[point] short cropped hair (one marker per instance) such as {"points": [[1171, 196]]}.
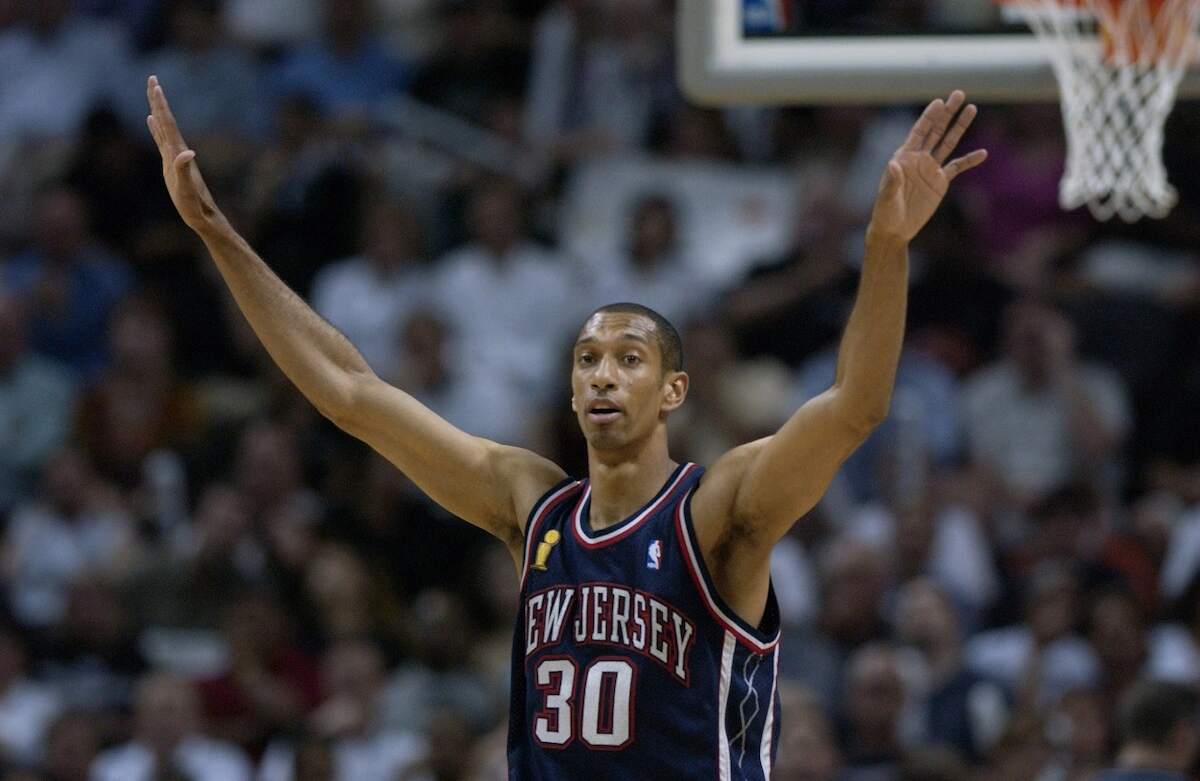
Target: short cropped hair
{"points": [[669, 343], [1151, 710]]}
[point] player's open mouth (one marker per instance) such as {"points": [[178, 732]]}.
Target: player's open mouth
{"points": [[603, 411]]}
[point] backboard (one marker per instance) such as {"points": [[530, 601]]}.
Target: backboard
{"points": [[760, 52]]}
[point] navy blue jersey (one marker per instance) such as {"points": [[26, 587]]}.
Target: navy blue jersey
{"points": [[626, 662]]}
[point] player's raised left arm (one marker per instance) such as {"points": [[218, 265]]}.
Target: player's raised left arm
{"points": [[768, 484]]}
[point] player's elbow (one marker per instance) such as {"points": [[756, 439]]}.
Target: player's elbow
{"points": [[341, 400]]}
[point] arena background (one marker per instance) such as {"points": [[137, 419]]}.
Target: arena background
{"points": [[202, 579]]}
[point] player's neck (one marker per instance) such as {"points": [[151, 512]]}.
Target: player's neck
{"points": [[621, 486]]}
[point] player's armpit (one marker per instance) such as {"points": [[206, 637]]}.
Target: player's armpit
{"points": [[490, 485], [756, 492]]}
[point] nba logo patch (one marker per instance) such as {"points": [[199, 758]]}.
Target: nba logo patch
{"points": [[654, 555]]}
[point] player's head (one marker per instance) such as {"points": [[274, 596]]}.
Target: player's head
{"points": [[626, 376]]}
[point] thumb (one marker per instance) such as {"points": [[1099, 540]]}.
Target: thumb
{"points": [[892, 178], [183, 159]]}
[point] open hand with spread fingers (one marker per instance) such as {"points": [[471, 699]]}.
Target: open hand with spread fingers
{"points": [[188, 191], [918, 176]]}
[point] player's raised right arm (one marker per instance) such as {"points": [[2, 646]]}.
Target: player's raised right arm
{"points": [[493, 486]]}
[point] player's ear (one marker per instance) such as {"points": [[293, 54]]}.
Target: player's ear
{"points": [[573, 403], [676, 390]]}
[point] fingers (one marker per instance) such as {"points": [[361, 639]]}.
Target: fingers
{"points": [[964, 163], [169, 139], [924, 126], [931, 128], [954, 135]]}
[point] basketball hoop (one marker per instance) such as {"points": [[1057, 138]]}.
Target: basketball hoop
{"points": [[1118, 64]]}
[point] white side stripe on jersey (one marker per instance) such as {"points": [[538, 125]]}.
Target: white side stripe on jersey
{"points": [[768, 728], [696, 566], [723, 772]]}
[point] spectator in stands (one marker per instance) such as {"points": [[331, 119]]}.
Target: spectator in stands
{"points": [[348, 70], [72, 743], [71, 282], [167, 739], [92, 657], [1042, 658], [431, 369], [439, 675], [217, 83], [36, 399], [600, 76], [1159, 733], [478, 67], [27, 706], [653, 270], [80, 61], [960, 708], [137, 406], [348, 599], [364, 746], [75, 528], [875, 700], [369, 296], [807, 749], [504, 294], [269, 682], [1041, 416]]}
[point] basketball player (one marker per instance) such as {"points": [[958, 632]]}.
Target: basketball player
{"points": [[647, 644]]}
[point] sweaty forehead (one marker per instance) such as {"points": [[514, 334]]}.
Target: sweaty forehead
{"points": [[613, 326]]}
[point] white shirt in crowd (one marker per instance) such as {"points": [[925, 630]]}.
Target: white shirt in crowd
{"points": [[199, 758], [368, 307], [380, 756], [26, 710], [513, 316], [1026, 435]]}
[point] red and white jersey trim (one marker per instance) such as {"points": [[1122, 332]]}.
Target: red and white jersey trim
{"points": [[696, 567], [629, 527], [539, 515]]}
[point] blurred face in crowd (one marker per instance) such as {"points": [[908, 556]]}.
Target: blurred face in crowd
{"points": [[1117, 632], [1039, 341], [653, 231], [12, 659], [47, 15], [314, 761], [255, 629], [354, 669], [222, 518], [62, 225], [346, 20], [424, 340], [71, 745], [807, 751], [620, 392], [12, 331], [166, 710], [195, 25], [449, 746], [1052, 604], [267, 467], [66, 479], [1083, 719], [926, 620], [441, 628], [855, 577], [495, 217], [875, 695], [140, 339], [389, 235]]}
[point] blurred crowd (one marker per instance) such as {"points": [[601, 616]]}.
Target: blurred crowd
{"points": [[201, 579]]}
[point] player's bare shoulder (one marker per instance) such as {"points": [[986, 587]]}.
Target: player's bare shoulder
{"points": [[715, 508], [530, 477]]}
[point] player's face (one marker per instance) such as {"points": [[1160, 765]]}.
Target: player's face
{"points": [[620, 393]]}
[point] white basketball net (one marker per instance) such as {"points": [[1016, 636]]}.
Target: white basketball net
{"points": [[1119, 64]]}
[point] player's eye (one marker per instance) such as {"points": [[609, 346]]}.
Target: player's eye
{"points": [[586, 359], [632, 360]]}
